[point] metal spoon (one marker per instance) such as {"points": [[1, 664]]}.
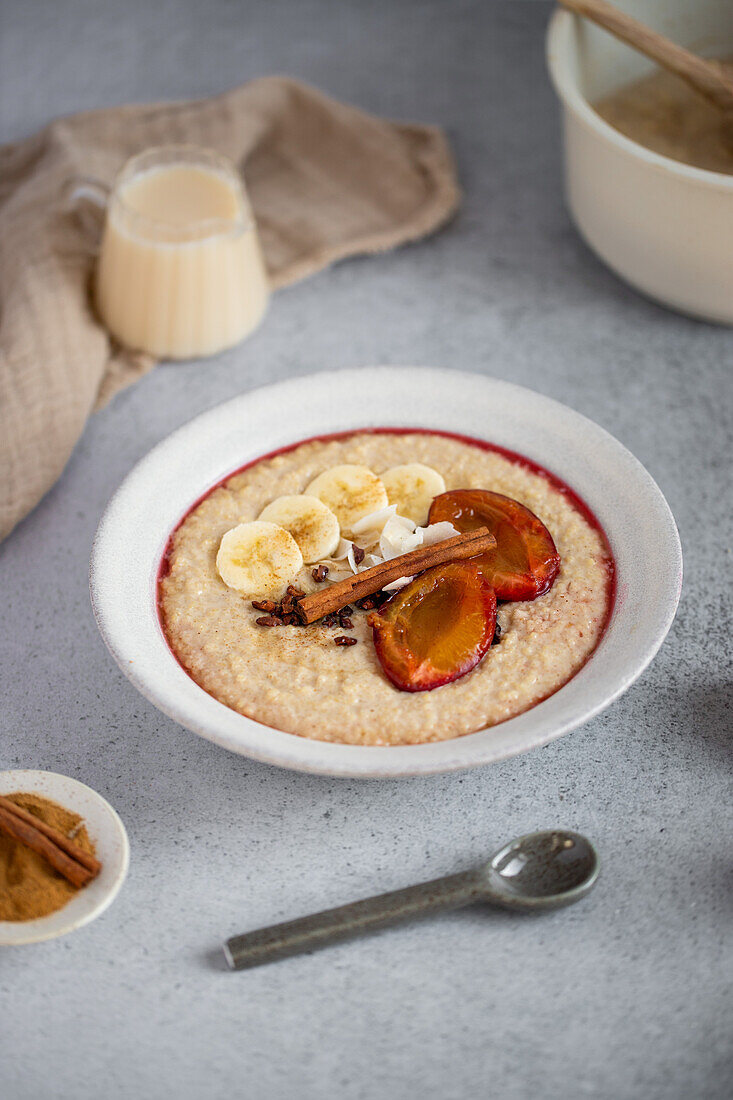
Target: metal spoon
{"points": [[531, 874]]}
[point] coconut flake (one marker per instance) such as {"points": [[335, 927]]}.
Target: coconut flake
{"points": [[375, 521], [341, 550], [394, 586], [437, 532], [398, 537]]}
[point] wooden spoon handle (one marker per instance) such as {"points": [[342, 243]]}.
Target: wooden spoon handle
{"points": [[703, 75]]}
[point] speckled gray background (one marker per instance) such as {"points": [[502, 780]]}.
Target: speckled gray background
{"points": [[625, 996]]}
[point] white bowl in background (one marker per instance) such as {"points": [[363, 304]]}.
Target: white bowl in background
{"points": [[110, 841], [663, 226], [134, 531]]}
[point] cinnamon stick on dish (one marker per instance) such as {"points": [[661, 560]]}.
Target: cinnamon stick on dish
{"points": [[69, 859], [468, 545]]}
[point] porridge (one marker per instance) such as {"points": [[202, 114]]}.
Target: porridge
{"points": [[664, 114], [339, 678]]}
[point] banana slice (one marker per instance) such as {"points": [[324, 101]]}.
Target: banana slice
{"points": [[258, 559], [412, 488], [313, 526], [350, 492]]}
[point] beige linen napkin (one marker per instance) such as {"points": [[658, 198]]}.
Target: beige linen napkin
{"points": [[325, 179]]}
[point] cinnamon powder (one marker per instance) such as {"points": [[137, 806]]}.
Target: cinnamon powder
{"points": [[29, 886]]}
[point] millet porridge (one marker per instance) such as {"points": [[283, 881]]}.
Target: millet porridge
{"points": [[295, 679]]}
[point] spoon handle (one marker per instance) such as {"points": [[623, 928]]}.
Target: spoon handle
{"points": [[703, 75], [347, 921]]}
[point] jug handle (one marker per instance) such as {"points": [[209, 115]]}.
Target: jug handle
{"points": [[88, 198]]}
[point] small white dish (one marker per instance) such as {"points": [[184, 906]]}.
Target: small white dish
{"points": [[160, 490], [112, 849], [663, 226]]}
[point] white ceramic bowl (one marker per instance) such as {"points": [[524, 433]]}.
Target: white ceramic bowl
{"points": [[110, 840], [663, 226], [135, 528]]}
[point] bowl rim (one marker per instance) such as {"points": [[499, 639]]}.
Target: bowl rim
{"points": [[557, 39], [113, 849], [171, 690]]}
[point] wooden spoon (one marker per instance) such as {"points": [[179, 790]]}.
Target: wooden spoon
{"points": [[706, 77]]}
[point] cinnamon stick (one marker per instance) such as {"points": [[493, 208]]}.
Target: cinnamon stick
{"points": [[78, 866], [468, 545], [74, 850]]}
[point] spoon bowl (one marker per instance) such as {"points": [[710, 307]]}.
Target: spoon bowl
{"points": [[541, 871]]}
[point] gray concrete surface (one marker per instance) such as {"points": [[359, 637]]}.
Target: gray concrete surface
{"points": [[624, 996]]}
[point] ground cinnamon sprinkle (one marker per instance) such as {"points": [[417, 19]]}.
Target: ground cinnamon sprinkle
{"points": [[29, 886]]}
